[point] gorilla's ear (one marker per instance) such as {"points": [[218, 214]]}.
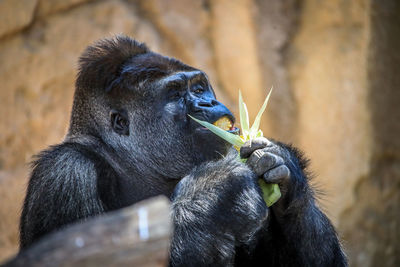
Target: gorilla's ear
{"points": [[119, 121], [100, 64]]}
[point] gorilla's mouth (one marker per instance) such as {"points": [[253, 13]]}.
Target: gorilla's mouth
{"points": [[226, 124]]}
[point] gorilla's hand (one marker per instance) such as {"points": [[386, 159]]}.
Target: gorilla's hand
{"points": [[295, 216], [276, 163], [216, 208]]}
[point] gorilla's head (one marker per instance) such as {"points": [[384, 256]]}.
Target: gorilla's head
{"points": [[137, 102]]}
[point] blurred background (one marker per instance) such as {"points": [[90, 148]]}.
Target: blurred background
{"points": [[334, 65]]}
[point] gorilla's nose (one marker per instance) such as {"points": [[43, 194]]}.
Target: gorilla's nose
{"points": [[206, 104], [210, 110]]}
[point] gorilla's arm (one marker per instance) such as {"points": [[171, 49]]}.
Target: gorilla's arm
{"points": [[304, 238], [298, 233], [217, 208]]}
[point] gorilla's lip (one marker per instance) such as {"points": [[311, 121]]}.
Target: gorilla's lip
{"points": [[235, 130]]}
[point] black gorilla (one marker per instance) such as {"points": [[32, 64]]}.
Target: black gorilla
{"points": [[130, 138]]}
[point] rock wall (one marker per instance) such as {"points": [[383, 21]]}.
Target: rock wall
{"points": [[333, 65], [372, 225]]}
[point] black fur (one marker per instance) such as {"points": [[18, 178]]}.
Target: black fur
{"points": [[225, 192], [130, 138]]}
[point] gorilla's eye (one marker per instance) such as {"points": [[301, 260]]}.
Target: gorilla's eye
{"points": [[198, 90], [120, 121]]}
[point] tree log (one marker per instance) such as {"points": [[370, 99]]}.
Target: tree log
{"points": [[138, 235]]}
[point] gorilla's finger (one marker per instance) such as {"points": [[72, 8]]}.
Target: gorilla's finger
{"points": [[261, 161], [278, 175], [274, 149], [249, 147]]}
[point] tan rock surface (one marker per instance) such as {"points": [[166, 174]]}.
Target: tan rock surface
{"points": [[46, 7], [328, 71], [15, 15], [12, 193], [276, 24], [236, 53], [372, 225]]}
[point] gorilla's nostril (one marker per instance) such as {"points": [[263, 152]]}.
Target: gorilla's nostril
{"points": [[214, 102], [205, 104]]}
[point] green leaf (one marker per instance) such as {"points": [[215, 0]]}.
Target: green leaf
{"points": [[256, 124], [271, 192], [229, 137], [244, 116]]}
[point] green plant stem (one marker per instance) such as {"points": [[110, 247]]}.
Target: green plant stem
{"points": [[271, 192]]}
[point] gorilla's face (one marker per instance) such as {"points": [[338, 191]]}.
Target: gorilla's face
{"points": [[164, 132]]}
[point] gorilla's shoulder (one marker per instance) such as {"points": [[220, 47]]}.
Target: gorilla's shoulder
{"points": [[59, 162], [55, 195]]}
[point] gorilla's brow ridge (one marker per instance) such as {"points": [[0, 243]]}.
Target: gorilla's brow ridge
{"points": [[192, 76]]}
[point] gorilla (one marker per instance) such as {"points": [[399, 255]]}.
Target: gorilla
{"points": [[130, 138]]}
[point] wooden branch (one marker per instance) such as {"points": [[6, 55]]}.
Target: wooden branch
{"points": [[135, 236]]}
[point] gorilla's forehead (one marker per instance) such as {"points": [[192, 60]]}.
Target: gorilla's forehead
{"points": [[154, 65]]}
